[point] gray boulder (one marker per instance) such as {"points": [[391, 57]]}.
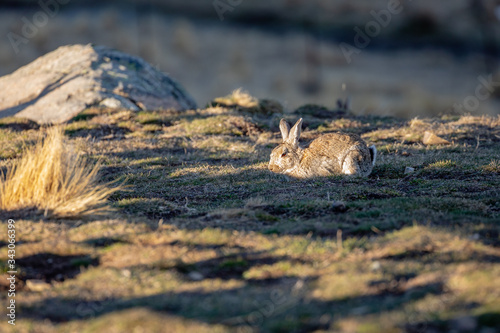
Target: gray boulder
{"points": [[56, 87]]}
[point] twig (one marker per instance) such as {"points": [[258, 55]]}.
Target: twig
{"points": [[339, 239]]}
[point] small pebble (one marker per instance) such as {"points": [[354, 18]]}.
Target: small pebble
{"points": [[298, 285], [196, 276], [409, 170], [339, 206]]}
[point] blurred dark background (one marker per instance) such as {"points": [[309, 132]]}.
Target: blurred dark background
{"points": [[411, 58]]}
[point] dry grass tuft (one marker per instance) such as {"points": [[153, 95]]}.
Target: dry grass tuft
{"points": [[443, 164], [54, 179], [493, 166], [239, 97]]}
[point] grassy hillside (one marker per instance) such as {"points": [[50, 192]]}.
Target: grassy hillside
{"points": [[206, 239]]}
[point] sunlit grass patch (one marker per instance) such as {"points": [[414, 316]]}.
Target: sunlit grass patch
{"points": [[443, 164], [152, 128], [283, 268], [13, 142], [493, 166], [88, 114], [419, 123], [476, 285], [156, 117], [54, 179], [17, 124], [241, 100], [151, 207], [223, 144], [203, 173], [143, 318], [344, 282], [345, 125], [150, 161], [396, 134], [489, 121]]}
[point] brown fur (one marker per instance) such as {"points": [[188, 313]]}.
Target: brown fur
{"points": [[335, 153]]}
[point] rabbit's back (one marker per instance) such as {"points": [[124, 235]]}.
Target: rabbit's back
{"points": [[335, 145], [337, 153]]}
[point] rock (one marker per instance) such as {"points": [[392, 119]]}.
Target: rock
{"points": [[339, 206], [37, 285], [126, 273], [56, 87], [432, 139], [409, 170]]}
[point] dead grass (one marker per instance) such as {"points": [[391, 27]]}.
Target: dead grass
{"points": [[209, 240], [238, 97], [493, 166], [54, 179]]}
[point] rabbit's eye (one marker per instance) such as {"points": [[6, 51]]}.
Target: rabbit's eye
{"points": [[284, 154]]}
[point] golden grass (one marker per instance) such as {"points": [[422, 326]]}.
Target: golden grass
{"points": [[239, 97], [54, 179]]}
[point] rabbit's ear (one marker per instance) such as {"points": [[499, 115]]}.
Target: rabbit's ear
{"points": [[295, 133], [285, 129]]}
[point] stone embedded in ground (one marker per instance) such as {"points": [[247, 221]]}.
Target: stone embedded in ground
{"points": [[58, 86], [432, 139], [409, 170], [339, 206]]}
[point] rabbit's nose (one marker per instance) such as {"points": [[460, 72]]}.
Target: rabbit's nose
{"points": [[273, 168]]}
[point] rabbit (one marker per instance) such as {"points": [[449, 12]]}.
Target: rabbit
{"points": [[330, 154]]}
